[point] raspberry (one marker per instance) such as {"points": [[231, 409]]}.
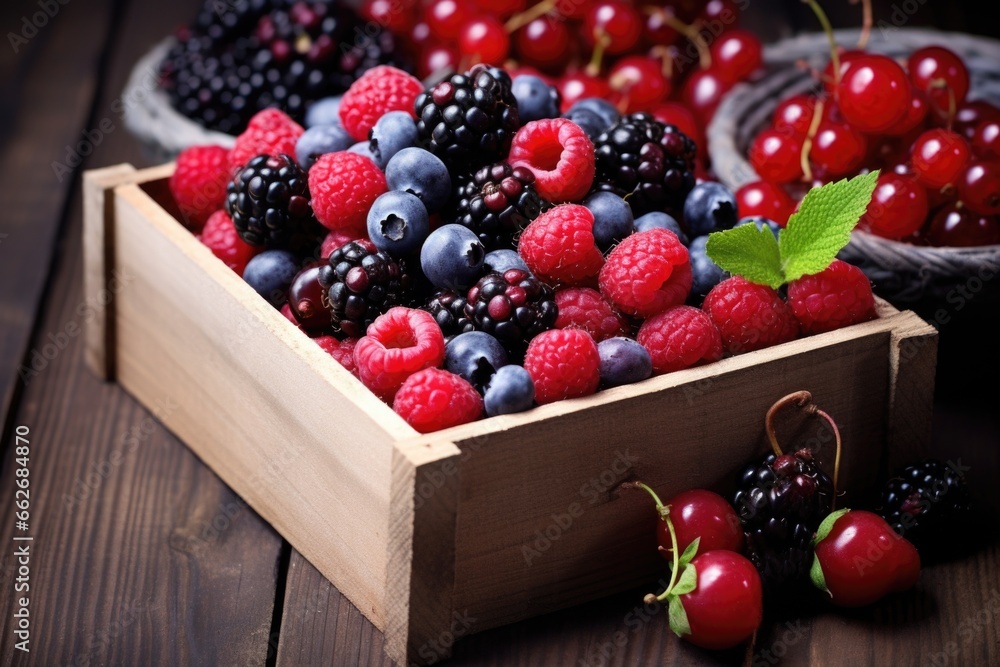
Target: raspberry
{"points": [[560, 155], [342, 351], [749, 316], [585, 308], [399, 343], [198, 184], [559, 245], [647, 273], [219, 234], [563, 363], [343, 187], [679, 338], [836, 297], [379, 90], [433, 399], [269, 132], [336, 239]]}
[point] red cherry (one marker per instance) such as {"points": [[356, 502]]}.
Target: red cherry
{"points": [[578, 85], [720, 12], [544, 43], [847, 60], [777, 156], [658, 29], [932, 65], [618, 20], [736, 55], [435, 58], [874, 94], [898, 207], [838, 149], [961, 228], [863, 559], [938, 157], [640, 82], [484, 40], [971, 114], [766, 200], [703, 91], [726, 607], [398, 17], [979, 187], [701, 514], [986, 139], [795, 114], [446, 17], [503, 9], [419, 36], [914, 117], [575, 10]]}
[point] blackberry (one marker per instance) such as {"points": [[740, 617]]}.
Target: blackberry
{"points": [[513, 306], [448, 309], [781, 500], [930, 505], [468, 120], [268, 200], [362, 283], [497, 203], [648, 163]]}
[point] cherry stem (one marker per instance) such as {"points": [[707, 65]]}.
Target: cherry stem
{"points": [[663, 54], [828, 29], [800, 398], [518, 21], [952, 106], [836, 456], [664, 513], [693, 33], [602, 42], [866, 23], [808, 143]]}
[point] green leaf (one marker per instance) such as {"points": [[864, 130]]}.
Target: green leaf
{"points": [[690, 552], [826, 525], [749, 252], [687, 582], [816, 575], [822, 225], [678, 617]]}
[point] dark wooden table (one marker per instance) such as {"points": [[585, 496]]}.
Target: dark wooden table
{"points": [[141, 555]]}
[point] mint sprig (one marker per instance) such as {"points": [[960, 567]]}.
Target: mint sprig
{"points": [[809, 242]]}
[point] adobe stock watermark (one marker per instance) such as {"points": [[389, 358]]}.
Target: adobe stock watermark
{"points": [[793, 633], [970, 627], [601, 653], [438, 648], [99, 643], [900, 13], [32, 23]]}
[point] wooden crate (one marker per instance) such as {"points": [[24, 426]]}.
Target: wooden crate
{"points": [[437, 536]]}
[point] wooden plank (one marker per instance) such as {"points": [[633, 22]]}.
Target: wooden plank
{"points": [[913, 363]]}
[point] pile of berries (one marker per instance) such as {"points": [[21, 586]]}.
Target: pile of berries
{"points": [[938, 151], [432, 241]]}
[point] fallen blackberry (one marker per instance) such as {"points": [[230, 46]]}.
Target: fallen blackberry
{"points": [[648, 163], [514, 307], [468, 120], [497, 203], [362, 284], [448, 309], [268, 200], [930, 505], [781, 500]]}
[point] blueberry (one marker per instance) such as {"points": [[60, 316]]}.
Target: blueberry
{"points": [[500, 261], [511, 390], [392, 133], [591, 124], [397, 223], [623, 361], [452, 257], [324, 112], [658, 220], [761, 222], [705, 274], [604, 110], [709, 207], [612, 218], [535, 98], [271, 273], [476, 356], [363, 148], [422, 173], [318, 140]]}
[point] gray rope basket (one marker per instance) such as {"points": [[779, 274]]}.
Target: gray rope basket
{"points": [[902, 273]]}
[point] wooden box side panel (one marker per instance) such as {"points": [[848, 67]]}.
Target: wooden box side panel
{"points": [[541, 523], [295, 434]]}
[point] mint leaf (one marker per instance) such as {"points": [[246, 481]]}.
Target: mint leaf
{"points": [[822, 225], [678, 618], [690, 552], [687, 582], [749, 252]]}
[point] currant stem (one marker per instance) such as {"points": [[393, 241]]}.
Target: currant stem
{"points": [[518, 21], [828, 29], [866, 23], [808, 143], [952, 106], [603, 41], [663, 54], [693, 33], [801, 398], [664, 512]]}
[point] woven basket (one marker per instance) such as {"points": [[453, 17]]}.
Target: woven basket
{"points": [[902, 273]]}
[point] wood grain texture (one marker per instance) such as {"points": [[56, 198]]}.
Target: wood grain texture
{"points": [[912, 363]]}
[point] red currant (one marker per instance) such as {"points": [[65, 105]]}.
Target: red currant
{"points": [[847, 60], [898, 207], [544, 43], [960, 227], [971, 114], [935, 70], [777, 156], [619, 21], [437, 58], [703, 91], [914, 117], [938, 157], [838, 149], [658, 29], [766, 200], [398, 17], [640, 82], [701, 514], [986, 139], [875, 94], [795, 114], [503, 9], [484, 40], [724, 12], [578, 85], [979, 187], [446, 17], [736, 54]]}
